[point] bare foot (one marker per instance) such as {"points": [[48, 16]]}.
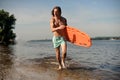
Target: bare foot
{"points": [[63, 65], [59, 68]]}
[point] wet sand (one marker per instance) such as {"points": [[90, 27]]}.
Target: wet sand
{"points": [[13, 67], [38, 69], [46, 69]]}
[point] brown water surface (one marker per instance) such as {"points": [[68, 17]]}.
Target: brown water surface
{"points": [[15, 67]]}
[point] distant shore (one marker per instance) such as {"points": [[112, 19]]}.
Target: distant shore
{"points": [[106, 38], [93, 38]]}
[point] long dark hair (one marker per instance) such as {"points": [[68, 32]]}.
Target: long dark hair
{"points": [[58, 8]]}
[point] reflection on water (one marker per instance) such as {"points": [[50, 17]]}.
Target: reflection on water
{"points": [[35, 60], [6, 61]]}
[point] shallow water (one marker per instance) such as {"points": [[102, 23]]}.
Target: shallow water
{"points": [[35, 59]]}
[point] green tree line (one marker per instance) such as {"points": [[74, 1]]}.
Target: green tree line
{"points": [[7, 24]]}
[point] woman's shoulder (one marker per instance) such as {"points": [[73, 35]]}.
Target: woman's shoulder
{"points": [[52, 19], [64, 19]]}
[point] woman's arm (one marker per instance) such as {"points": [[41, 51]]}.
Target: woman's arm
{"points": [[62, 24], [52, 25]]}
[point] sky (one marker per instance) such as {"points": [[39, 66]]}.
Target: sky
{"points": [[97, 18]]}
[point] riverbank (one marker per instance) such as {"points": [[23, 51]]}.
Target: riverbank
{"points": [[45, 69], [36, 61]]}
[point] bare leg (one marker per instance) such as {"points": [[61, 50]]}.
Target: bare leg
{"points": [[58, 57], [64, 53]]}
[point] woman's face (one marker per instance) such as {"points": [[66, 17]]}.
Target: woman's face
{"points": [[56, 12]]}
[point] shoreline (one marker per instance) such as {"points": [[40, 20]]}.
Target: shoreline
{"points": [[36, 61], [45, 69]]}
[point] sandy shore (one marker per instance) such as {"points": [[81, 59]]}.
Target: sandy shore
{"points": [[45, 69]]}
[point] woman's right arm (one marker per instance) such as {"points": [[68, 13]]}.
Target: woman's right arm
{"points": [[52, 26]]}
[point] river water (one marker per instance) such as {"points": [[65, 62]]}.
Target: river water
{"points": [[100, 62]]}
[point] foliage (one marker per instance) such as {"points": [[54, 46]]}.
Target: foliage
{"points": [[7, 23]]}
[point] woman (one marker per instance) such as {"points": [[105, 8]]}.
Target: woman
{"points": [[57, 24]]}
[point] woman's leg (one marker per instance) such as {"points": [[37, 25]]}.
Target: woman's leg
{"points": [[64, 53], [58, 57]]}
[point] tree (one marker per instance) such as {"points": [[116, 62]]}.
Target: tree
{"points": [[7, 23]]}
